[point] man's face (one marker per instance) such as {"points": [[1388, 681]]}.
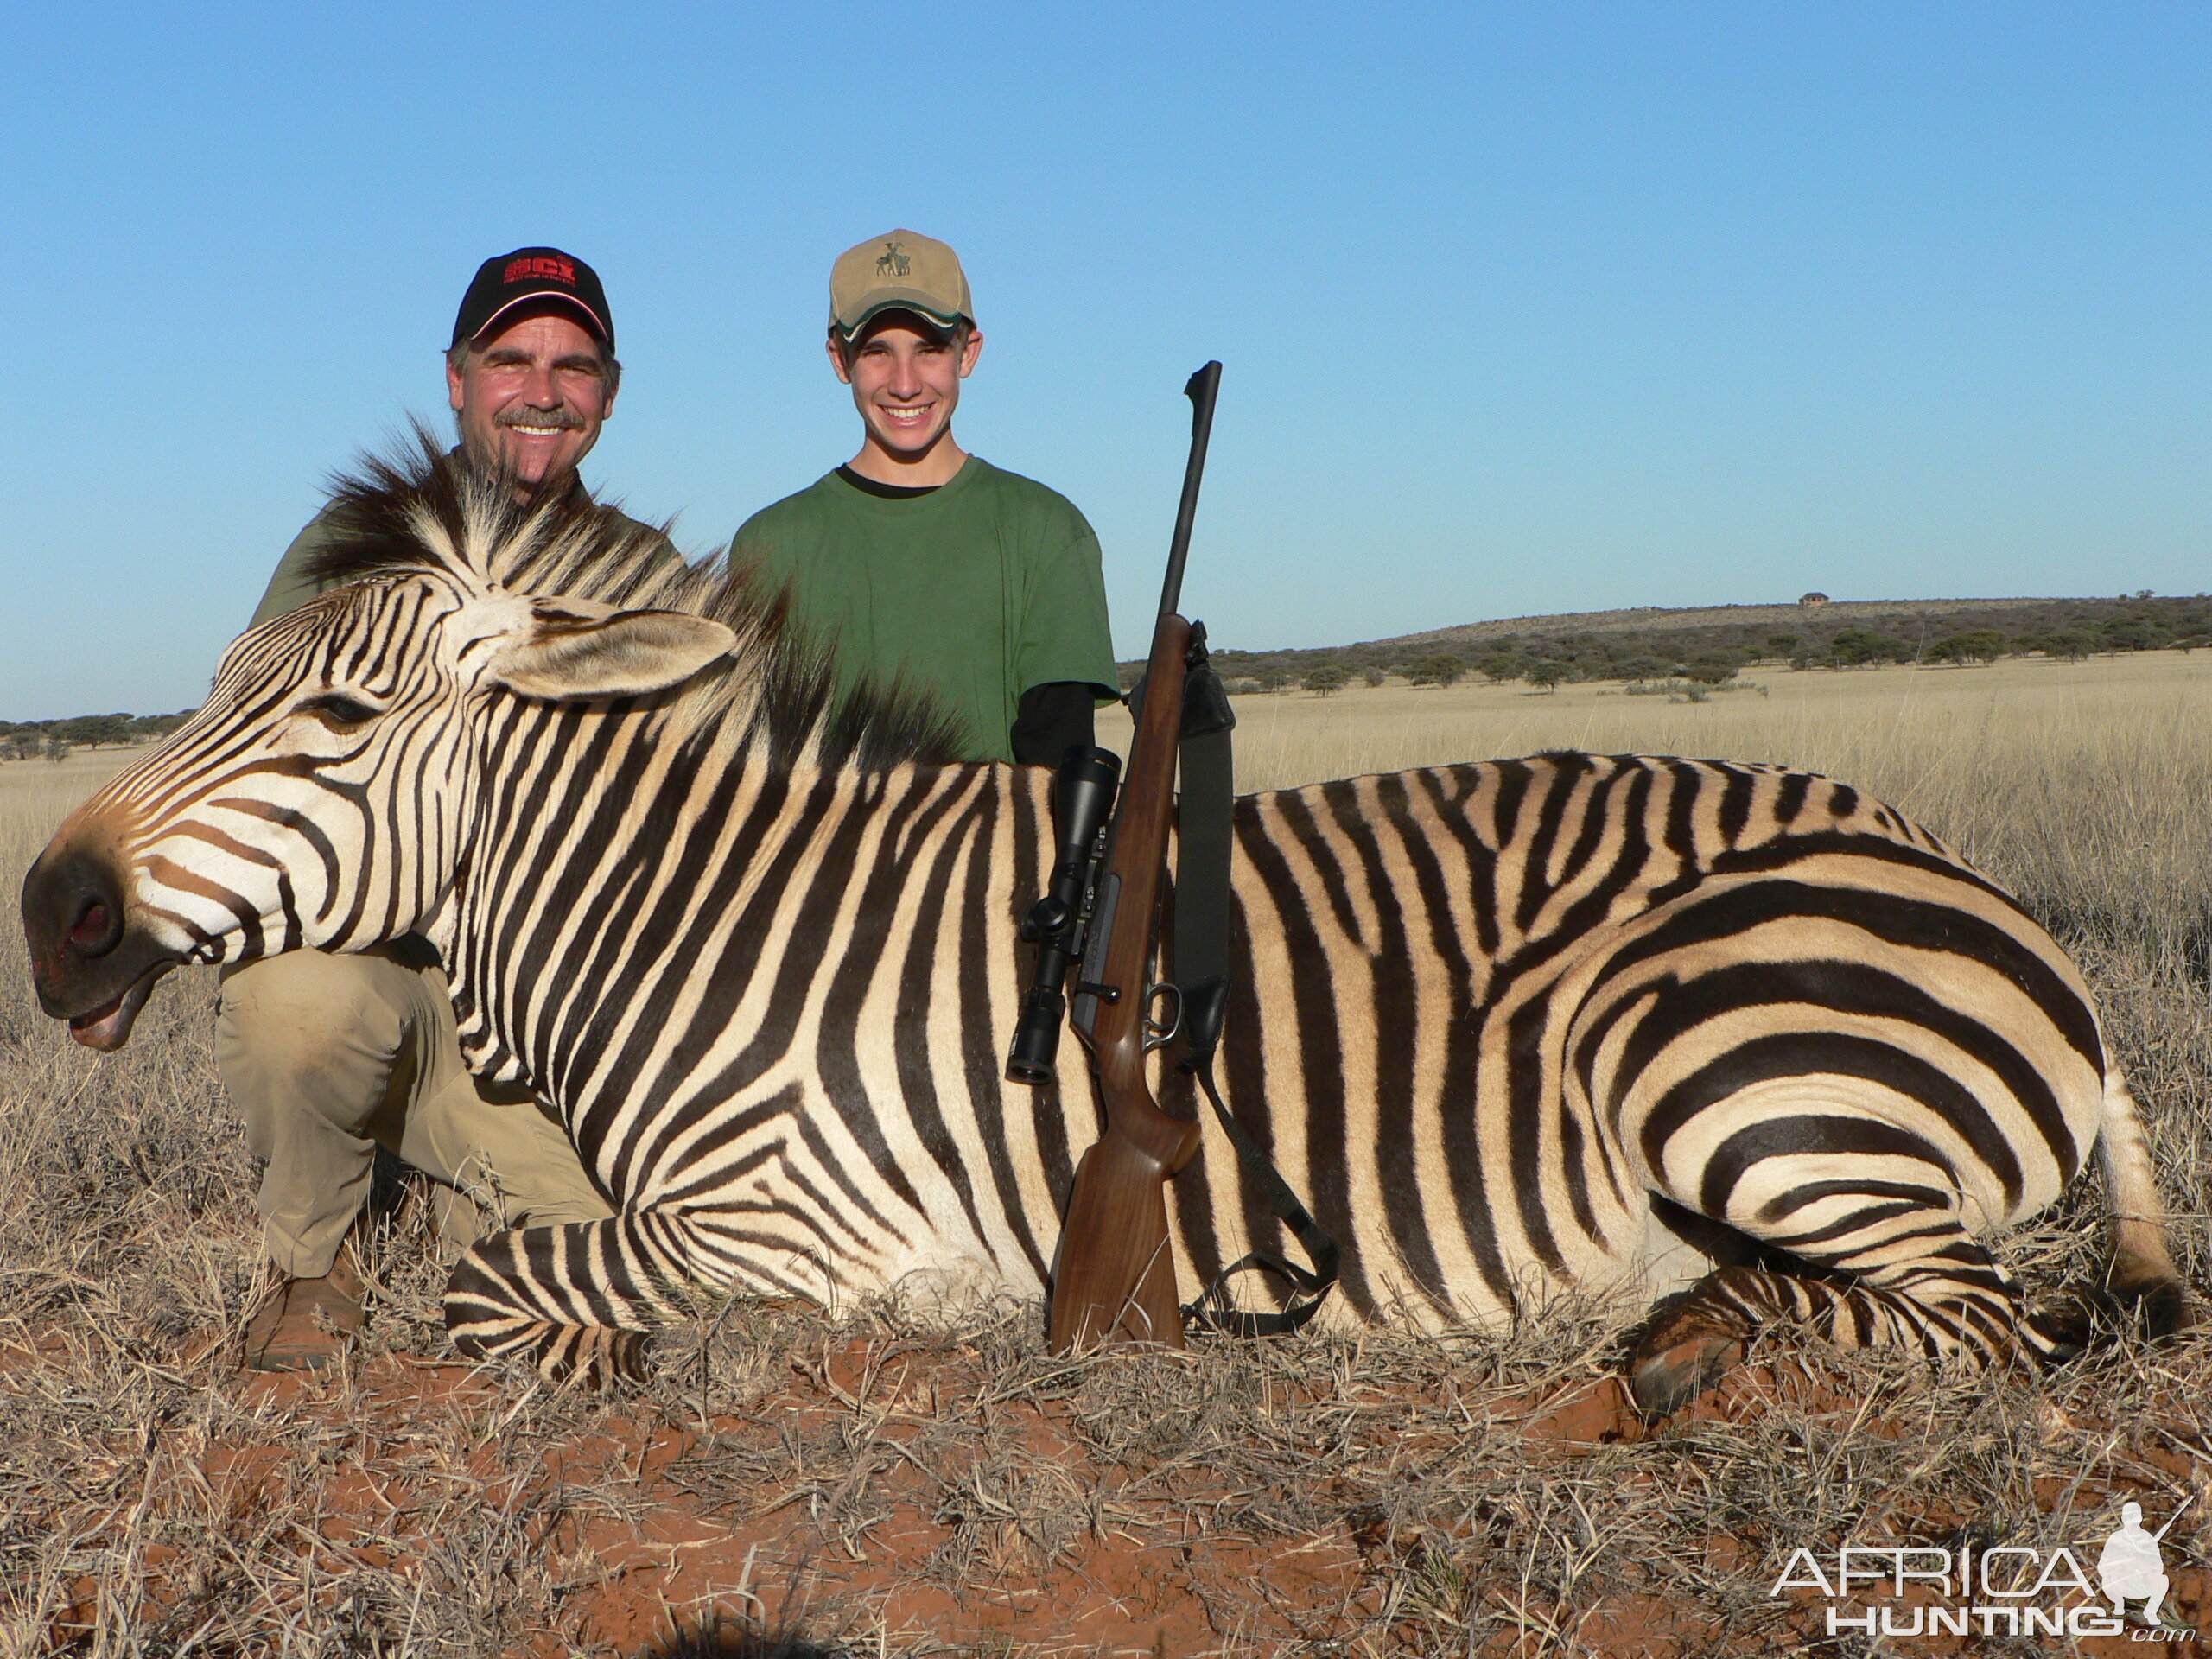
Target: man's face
{"points": [[905, 383], [531, 396]]}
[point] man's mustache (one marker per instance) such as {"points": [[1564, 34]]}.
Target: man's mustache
{"points": [[567, 419]]}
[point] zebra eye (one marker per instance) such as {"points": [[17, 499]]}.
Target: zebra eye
{"points": [[336, 709]]}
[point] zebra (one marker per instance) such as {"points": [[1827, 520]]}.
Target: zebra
{"points": [[1718, 1045]]}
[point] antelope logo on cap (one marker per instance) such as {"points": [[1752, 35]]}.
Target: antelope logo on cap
{"points": [[893, 261]]}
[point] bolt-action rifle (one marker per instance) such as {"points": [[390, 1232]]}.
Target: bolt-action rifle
{"points": [[1114, 1278]]}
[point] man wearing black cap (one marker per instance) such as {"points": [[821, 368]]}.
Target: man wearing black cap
{"points": [[531, 376], [327, 1056]]}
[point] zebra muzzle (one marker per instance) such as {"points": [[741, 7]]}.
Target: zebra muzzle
{"points": [[108, 1026], [89, 964]]}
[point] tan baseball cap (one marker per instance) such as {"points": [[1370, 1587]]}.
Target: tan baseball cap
{"points": [[899, 271]]}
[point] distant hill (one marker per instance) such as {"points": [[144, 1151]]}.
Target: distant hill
{"points": [[1830, 616], [1713, 642]]}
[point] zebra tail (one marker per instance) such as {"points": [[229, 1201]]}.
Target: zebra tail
{"points": [[2141, 1270]]}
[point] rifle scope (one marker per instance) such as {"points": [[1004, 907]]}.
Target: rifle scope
{"points": [[1083, 794]]}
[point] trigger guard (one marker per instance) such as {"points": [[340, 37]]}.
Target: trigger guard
{"points": [[1158, 1036]]}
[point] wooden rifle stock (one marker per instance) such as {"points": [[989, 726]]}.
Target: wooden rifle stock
{"points": [[1114, 1280]]}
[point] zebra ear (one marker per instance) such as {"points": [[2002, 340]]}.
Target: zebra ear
{"points": [[576, 651]]}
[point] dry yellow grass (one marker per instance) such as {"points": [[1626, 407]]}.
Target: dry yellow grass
{"points": [[1925, 740], [127, 1255], [36, 795], [2067, 781]]}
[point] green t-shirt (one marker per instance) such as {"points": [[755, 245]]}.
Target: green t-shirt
{"points": [[975, 592], [292, 587]]}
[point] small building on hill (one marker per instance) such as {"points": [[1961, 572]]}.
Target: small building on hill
{"points": [[1810, 600]]}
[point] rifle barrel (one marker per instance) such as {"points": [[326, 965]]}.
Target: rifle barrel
{"points": [[1202, 390]]}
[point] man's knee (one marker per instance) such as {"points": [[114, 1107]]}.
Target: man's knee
{"points": [[495, 1145], [331, 1034]]}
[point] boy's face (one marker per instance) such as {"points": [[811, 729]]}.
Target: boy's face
{"points": [[906, 383]]}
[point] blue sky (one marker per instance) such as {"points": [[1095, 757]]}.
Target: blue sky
{"points": [[1523, 308]]}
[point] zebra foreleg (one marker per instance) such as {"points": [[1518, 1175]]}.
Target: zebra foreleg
{"points": [[575, 1301], [1950, 1300]]}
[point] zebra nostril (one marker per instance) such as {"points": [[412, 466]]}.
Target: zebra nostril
{"points": [[94, 933]]}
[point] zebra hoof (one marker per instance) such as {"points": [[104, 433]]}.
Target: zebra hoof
{"points": [[2084, 1316], [2081, 1319], [1663, 1383], [1685, 1352], [2160, 1304]]}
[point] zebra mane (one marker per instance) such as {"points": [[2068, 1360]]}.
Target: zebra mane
{"points": [[418, 508]]}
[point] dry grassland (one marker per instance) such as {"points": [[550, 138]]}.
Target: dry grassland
{"points": [[883, 1485]]}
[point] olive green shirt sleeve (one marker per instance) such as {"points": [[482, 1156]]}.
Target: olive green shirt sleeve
{"points": [[292, 587]]}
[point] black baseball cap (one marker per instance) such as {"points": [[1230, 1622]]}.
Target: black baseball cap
{"points": [[533, 274]]}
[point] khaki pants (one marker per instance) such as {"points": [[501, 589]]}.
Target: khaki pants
{"points": [[329, 1057]]}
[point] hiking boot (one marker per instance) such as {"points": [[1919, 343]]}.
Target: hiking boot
{"points": [[304, 1325]]}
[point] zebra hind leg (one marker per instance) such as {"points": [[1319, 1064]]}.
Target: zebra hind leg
{"points": [[1950, 1298], [576, 1301], [2141, 1289], [1879, 1268]]}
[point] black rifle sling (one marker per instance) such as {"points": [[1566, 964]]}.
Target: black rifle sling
{"points": [[1205, 796], [1213, 1307], [1205, 837]]}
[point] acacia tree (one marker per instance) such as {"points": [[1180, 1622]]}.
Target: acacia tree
{"points": [[1438, 670], [1972, 646], [93, 731], [2072, 643]]}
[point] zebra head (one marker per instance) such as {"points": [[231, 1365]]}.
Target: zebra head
{"points": [[320, 796]]}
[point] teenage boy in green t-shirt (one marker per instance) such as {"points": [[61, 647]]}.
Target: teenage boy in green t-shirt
{"points": [[922, 563]]}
